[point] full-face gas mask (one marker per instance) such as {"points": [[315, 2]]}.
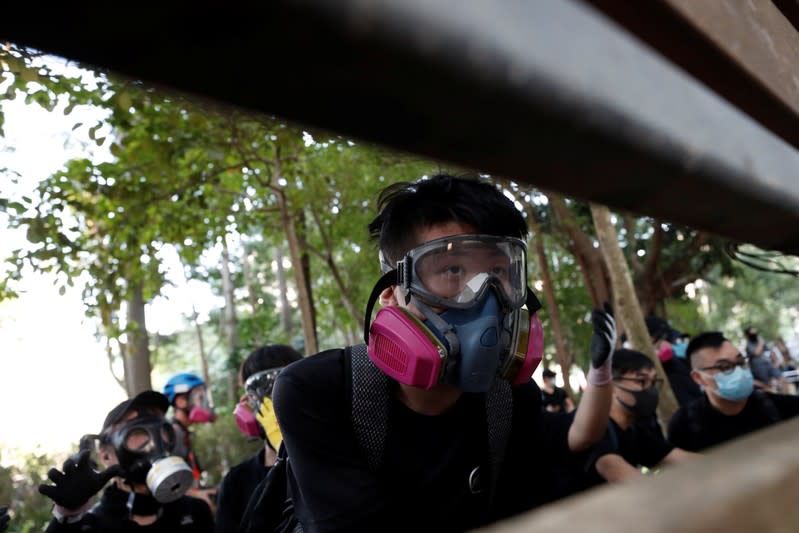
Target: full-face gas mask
{"points": [[479, 315], [200, 409], [143, 447], [259, 420]]}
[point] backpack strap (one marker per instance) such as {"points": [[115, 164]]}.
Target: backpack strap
{"points": [[371, 393], [370, 401], [499, 419]]}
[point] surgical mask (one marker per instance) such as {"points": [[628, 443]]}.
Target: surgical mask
{"points": [[680, 349], [736, 385], [143, 447], [646, 401]]}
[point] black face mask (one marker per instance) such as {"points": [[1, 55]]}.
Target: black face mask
{"points": [[646, 401]]}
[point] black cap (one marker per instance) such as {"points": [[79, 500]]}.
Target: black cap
{"points": [[659, 329], [548, 373], [146, 399]]}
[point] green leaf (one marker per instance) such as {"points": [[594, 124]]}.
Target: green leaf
{"points": [[76, 126], [62, 290]]}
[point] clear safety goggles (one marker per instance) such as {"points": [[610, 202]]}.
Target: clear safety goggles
{"points": [[455, 272], [260, 385]]}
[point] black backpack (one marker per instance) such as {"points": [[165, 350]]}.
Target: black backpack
{"points": [[271, 508]]}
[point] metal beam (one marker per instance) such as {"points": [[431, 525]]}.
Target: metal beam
{"points": [[550, 92]]}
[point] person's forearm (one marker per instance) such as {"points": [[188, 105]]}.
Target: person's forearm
{"points": [[591, 419], [614, 469]]}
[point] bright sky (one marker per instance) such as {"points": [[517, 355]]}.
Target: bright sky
{"points": [[55, 382]]}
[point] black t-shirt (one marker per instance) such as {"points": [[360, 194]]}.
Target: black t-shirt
{"points": [[699, 425], [556, 398], [184, 515], [428, 477], [235, 491], [642, 444]]}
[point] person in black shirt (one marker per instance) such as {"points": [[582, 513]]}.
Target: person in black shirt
{"points": [[255, 417], [553, 398], [136, 438], [452, 298], [635, 438], [730, 406]]}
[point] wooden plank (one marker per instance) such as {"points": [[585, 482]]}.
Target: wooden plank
{"points": [[548, 92], [748, 485], [710, 48], [756, 35]]}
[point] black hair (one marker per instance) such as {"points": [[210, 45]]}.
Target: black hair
{"points": [[626, 361], [269, 356], [706, 339], [406, 207]]}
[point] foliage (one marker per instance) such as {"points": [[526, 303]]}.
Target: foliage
{"points": [[30, 511]]}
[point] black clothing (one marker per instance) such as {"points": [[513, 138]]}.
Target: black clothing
{"points": [[700, 425], [235, 491], [556, 398], [434, 472], [186, 515], [679, 374], [642, 444]]}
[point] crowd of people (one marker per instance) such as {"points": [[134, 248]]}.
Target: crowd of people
{"points": [[434, 423]]}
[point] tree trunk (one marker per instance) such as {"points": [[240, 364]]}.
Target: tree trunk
{"points": [[626, 305], [305, 261], [588, 257], [231, 322], [230, 304], [252, 292], [306, 308], [203, 354], [137, 352], [285, 309], [561, 347]]}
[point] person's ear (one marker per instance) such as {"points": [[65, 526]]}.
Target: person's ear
{"points": [[390, 296], [698, 378], [107, 456]]}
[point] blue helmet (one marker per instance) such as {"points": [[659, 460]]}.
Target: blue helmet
{"points": [[181, 384]]}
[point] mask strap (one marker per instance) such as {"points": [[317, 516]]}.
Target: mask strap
{"points": [[445, 328], [386, 280]]}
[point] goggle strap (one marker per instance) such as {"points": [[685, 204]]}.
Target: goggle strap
{"points": [[533, 304], [386, 280]]}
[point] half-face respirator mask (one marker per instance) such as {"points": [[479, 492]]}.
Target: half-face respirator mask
{"points": [[143, 448], [479, 315], [258, 388]]}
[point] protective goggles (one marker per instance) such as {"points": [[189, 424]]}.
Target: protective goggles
{"points": [[260, 385], [454, 272]]}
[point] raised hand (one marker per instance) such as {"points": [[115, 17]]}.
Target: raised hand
{"points": [[77, 483], [603, 341]]}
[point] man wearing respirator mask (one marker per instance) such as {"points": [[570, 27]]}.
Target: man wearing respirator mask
{"points": [[191, 405], [446, 369], [136, 445], [255, 418]]}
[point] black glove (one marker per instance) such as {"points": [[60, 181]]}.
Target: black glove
{"points": [[77, 483], [4, 518], [603, 341]]}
